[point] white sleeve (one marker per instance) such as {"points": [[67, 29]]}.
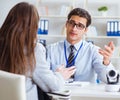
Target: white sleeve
{"points": [[46, 79]]}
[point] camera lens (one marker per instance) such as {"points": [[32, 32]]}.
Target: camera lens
{"points": [[112, 73]]}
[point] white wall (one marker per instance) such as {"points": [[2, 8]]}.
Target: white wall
{"points": [[6, 5]]}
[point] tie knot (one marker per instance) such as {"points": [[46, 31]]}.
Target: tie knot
{"points": [[72, 47]]}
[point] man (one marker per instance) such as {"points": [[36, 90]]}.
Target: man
{"points": [[87, 58]]}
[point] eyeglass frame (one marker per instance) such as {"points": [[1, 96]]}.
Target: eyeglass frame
{"points": [[73, 24]]}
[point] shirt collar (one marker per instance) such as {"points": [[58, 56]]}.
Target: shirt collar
{"points": [[77, 45]]}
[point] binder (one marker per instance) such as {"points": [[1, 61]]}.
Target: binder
{"points": [[39, 29], [43, 27], [118, 28], [113, 28], [108, 28], [46, 27]]}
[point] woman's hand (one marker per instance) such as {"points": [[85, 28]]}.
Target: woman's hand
{"points": [[66, 72]]}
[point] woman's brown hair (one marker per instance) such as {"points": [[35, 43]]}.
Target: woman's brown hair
{"points": [[17, 39]]}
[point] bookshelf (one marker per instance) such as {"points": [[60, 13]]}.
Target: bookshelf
{"points": [[57, 18], [100, 22]]}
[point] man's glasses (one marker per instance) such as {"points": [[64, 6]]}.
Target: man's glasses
{"points": [[79, 26]]}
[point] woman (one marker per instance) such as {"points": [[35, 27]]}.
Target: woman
{"points": [[20, 54]]}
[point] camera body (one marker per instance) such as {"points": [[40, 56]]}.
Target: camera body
{"points": [[112, 77], [112, 81]]}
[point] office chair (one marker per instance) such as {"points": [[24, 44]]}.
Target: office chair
{"points": [[12, 86], [60, 95], [57, 95], [42, 95]]}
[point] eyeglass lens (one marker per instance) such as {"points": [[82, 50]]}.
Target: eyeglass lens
{"points": [[79, 26]]}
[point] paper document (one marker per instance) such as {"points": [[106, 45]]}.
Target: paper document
{"points": [[77, 83]]}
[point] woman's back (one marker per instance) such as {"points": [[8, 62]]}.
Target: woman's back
{"points": [[20, 54], [17, 44]]}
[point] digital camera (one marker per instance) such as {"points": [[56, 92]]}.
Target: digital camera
{"points": [[112, 77]]}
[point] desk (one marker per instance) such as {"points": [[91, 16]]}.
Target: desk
{"points": [[92, 92]]}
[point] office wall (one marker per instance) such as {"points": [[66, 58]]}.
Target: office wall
{"points": [[6, 5]]}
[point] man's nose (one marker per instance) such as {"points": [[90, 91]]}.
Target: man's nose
{"points": [[75, 27]]}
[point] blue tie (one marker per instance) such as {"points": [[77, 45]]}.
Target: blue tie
{"points": [[71, 60]]}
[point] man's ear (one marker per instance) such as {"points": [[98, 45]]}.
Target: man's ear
{"points": [[66, 24], [86, 29]]}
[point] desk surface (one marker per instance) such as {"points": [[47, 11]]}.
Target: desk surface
{"points": [[92, 90]]}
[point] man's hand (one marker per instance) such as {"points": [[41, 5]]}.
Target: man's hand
{"points": [[107, 53], [66, 72]]}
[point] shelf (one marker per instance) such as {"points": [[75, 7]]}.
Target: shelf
{"points": [[106, 17], [51, 36], [53, 16]]}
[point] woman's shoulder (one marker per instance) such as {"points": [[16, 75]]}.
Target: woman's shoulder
{"points": [[39, 46]]}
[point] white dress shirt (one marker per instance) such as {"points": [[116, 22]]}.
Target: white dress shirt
{"points": [[88, 61]]}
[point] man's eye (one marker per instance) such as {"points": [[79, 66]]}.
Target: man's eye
{"points": [[71, 22], [80, 25]]}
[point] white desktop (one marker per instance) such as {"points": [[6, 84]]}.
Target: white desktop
{"points": [[90, 91]]}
